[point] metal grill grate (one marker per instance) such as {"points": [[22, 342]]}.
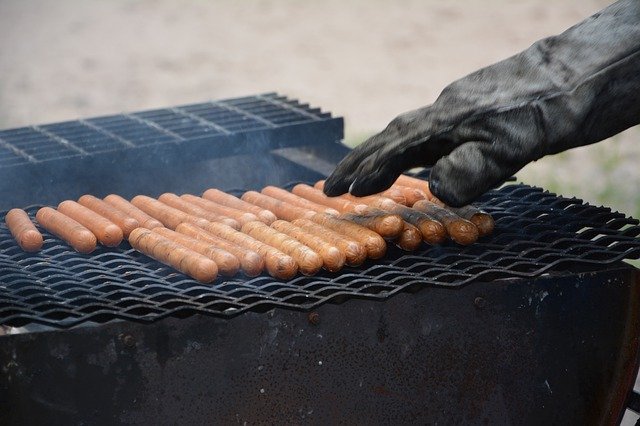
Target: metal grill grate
{"points": [[148, 151], [537, 233], [36, 144]]}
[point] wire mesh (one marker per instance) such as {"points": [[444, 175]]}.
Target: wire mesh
{"points": [[537, 233]]}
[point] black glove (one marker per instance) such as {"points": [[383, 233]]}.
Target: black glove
{"points": [[563, 92]]}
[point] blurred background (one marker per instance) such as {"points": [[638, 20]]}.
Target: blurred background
{"points": [[366, 60]]}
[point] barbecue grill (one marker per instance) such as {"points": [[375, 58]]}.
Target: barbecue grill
{"points": [[537, 323]]}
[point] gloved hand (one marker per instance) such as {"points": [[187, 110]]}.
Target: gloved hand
{"points": [[563, 92]]}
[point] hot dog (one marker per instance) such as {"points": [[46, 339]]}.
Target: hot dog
{"points": [[169, 216], [409, 239], [411, 195], [229, 200], [280, 208], [395, 194], [172, 254], [278, 264], [413, 182], [251, 263], [288, 197], [195, 210], [433, 232], [379, 221], [107, 232], [373, 243], [357, 204], [76, 235], [483, 220], [460, 230], [239, 216], [317, 196], [332, 257], [23, 230], [125, 223], [129, 209], [309, 262], [354, 251], [392, 193], [227, 263]]}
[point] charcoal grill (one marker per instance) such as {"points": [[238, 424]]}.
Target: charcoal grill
{"points": [[537, 323]]}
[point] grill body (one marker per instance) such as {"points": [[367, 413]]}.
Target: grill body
{"points": [[558, 350], [535, 324]]}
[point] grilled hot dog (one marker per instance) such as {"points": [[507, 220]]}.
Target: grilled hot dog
{"points": [[107, 232], [251, 263], [229, 200], [172, 254], [130, 210], [23, 230], [76, 235]]}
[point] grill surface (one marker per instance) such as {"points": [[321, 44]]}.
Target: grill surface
{"points": [[537, 234], [172, 149], [38, 144]]}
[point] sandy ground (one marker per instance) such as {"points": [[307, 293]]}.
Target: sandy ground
{"points": [[364, 60]]}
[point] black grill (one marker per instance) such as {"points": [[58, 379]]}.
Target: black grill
{"points": [[37, 144], [537, 233], [543, 308], [170, 149]]}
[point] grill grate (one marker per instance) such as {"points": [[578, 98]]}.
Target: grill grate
{"points": [[36, 144], [28, 145], [537, 233], [148, 151]]}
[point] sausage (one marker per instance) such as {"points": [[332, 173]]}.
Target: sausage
{"points": [[280, 208], [392, 193], [288, 197], [373, 243], [23, 230], [433, 232], [483, 220], [410, 238], [129, 209], [107, 232], [241, 217], [333, 259], [76, 235], [395, 194], [172, 254], [387, 225], [309, 262], [193, 209], [229, 200], [169, 216], [460, 230], [347, 202], [354, 251], [251, 263], [317, 196], [125, 223], [227, 263], [411, 195], [420, 185], [278, 264]]}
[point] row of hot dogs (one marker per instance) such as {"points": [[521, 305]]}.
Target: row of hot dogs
{"points": [[275, 230]]}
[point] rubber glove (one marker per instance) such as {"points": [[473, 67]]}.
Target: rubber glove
{"points": [[570, 90]]}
